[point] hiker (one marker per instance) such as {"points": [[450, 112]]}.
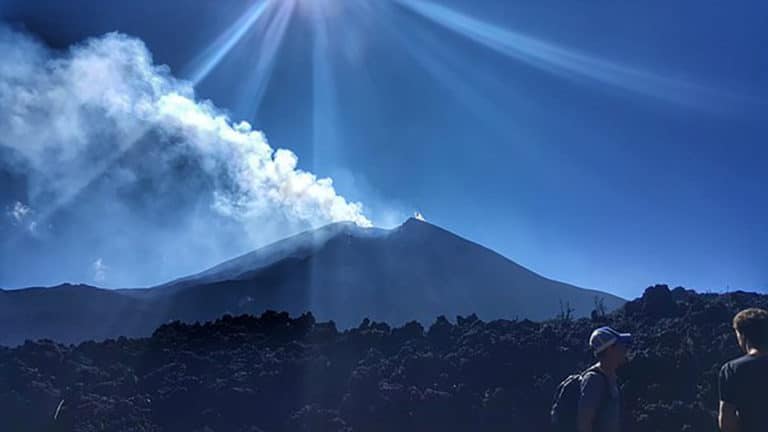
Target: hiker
{"points": [[744, 380], [590, 401]]}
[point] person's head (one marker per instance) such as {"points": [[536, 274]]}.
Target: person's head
{"points": [[610, 346], [751, 326]]}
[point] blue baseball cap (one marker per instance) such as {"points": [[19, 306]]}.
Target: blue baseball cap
{"points": [[604, 337]]}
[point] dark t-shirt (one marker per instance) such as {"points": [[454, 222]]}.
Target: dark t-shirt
{"points": [[743, 382], [606, 407]]}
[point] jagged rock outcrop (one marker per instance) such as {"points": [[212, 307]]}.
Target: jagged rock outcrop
{"points": [[277, 373]]}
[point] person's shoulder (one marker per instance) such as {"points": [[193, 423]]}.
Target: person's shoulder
{"points": [[729, 364], [736, 363], [746, 358], [592, 375]]}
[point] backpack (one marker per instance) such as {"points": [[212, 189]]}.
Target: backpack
{"points": [[565, 403]]}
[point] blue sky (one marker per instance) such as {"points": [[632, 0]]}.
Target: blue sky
{"points": [[612, 145]]}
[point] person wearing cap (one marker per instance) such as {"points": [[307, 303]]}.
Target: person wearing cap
{"points": [[599, 407], [744, 380]]}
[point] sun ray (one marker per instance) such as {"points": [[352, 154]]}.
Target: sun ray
{"points": [[437, 60], [88, 178], [324, 104], [473, 90], [560, 60], [256, 83], [211, 56]]}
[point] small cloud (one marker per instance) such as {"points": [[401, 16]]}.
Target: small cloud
{"points": [[99, 270], [19, 211], [21, 215]]}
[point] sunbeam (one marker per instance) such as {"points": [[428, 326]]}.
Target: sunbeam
{"points": [[563, 61], [324, 104], [258, 79], [448, 70], [211, 56], [87, 179], [324, 137]]}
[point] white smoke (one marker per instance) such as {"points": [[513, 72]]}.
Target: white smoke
{"points": [[70, 115], [99, 270], [119, 160]]}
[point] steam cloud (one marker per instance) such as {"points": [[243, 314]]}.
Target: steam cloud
{"points": [[117, 153]]}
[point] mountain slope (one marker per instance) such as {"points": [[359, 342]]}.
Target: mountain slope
{"points": [[297, 246], [416, 271], [340, 272], [71, 313]]}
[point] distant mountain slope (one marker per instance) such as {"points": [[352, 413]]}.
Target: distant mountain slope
{"points": [[416, 271], [71, 313], [340, 272]]}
